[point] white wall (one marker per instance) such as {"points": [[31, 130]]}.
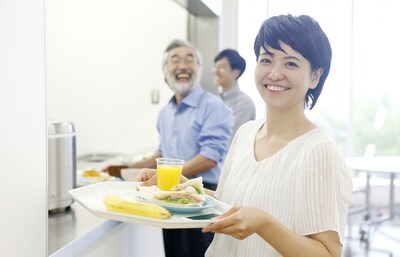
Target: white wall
{"points": [[23, 189], [103, 61]]}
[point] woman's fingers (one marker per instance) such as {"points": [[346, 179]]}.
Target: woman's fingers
{"points": [[151, 181], [221, 222], [236, 222], [218, 225], [146, 175]]}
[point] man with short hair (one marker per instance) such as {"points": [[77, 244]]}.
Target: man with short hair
{"points": [[228, 67]]}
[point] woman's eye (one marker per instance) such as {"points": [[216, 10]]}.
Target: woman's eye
{"points": [[264, 60], [291, 64]]}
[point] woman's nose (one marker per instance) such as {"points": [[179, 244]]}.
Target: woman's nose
{"points": [[275, 73]]}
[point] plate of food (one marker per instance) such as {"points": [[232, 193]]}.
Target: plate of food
{"points": [[176, 201], [90, 176], [185, 197]]}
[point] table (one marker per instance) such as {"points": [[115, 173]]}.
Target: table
{"points": [[388, 165]]}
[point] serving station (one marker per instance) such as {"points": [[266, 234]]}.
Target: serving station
{"points": [[74, 231], [77, 232]]}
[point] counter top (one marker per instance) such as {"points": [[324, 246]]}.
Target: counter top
{"points": [[79, 233], [76, 229], [74, 223]]}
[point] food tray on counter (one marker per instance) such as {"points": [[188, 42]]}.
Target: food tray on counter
{"points": [[84, 181], [91, 198]]}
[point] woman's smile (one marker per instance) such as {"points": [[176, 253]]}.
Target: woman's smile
{"points": [[275, 88]]}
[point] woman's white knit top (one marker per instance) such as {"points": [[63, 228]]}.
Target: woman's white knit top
{"points": [[306, 186]]}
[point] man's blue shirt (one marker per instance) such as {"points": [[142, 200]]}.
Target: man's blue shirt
{"points": [[200, 124]]}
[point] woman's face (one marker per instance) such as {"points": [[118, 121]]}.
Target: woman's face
{"points": [[283, 77]]}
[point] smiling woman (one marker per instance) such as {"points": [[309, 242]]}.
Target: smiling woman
{"points": [[349, 102], [284, 148], [289, 75]]}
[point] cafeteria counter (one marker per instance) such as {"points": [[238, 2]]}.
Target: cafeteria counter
{"points": [[77, 232]]}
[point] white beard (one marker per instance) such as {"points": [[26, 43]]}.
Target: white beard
{"points": [[180, 88]]}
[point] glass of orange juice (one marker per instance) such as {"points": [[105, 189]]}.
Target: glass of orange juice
{"points": [[169, 172]]}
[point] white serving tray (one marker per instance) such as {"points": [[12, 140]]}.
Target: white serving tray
{"points": [[91, 197]]}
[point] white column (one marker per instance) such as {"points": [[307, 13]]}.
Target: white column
{"points": [[229, 24], [23, 188]]}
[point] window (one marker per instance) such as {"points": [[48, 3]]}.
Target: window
{"points": [[358, 104]]}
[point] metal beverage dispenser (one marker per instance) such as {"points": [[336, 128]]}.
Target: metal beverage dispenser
{"points": [[61, 164]]}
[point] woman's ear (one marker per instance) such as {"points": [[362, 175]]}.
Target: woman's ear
{"points": [[315, 76]]}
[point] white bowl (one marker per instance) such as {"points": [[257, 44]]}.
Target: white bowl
{"points": [[129, 174]]}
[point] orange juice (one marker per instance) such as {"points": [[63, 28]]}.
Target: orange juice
{"points": [[168, 172], [168, 176]]}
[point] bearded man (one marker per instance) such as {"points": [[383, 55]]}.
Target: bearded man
{"points": [[194, 126]]}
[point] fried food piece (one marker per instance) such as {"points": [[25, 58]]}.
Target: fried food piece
{"points": [[91, 173]]}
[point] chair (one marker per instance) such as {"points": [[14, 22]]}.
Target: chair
{"points": [[359, 204]]}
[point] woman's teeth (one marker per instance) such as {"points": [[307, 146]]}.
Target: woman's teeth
{"points": [[276, 88]]}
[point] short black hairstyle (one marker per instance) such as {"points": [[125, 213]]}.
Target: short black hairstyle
{"points": [[235, 60], [304, 35]]}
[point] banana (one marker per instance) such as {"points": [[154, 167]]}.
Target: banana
{"points": [[118, 204]]}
